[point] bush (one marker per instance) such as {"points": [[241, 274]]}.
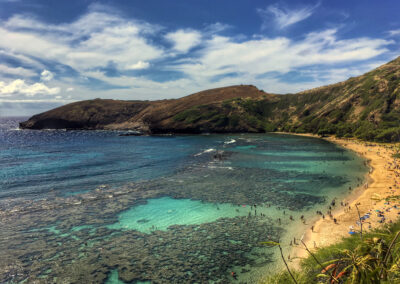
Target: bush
{"points": [[389, 135], [234, 120], [269, 127]]}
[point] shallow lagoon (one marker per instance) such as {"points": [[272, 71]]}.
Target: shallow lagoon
{"points": [[161, 213], [173, 210]]}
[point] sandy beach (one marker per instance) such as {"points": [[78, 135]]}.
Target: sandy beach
{"points": [[382, 182]]}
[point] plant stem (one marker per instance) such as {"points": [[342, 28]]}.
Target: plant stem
{"points": [[359, 217], [287, 267]]}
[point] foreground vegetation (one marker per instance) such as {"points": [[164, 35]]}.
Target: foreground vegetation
{"points": [[374, 258]]}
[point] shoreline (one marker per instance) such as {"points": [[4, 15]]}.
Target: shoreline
{"points": [[380, 182]]}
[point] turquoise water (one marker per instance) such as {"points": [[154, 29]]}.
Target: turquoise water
{"points": [[113, 278], [99, 207], [161, 213]]}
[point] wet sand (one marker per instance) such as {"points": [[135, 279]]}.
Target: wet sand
{"points": [[382, 181]]}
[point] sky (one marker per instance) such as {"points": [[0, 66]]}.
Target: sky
{"points": [[57, 52]]}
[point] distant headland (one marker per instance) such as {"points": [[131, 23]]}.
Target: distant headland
{"points": [[366, 107]]}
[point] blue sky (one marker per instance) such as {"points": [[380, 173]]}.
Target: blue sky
{"points": [[56, 52]]}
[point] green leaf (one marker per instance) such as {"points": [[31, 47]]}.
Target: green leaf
{"points": [[323, 275], [330, 262]]}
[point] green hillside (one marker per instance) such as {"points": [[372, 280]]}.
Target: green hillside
{"points": [[366, 107]]}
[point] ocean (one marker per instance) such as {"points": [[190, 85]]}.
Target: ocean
{"points": [[98, 207]]}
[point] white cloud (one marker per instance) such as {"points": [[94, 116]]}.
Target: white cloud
{"points": [[184, 40], [394, 32], [91, 41], [24, 59], [46, 75], [70, 89], [19, 71], [257, 56], [221, 56], [19, 87], [139, 65], [217, 28], [285, 17]]}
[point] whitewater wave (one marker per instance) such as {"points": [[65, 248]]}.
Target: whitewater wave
{"points": [[219, 167], [230, 141], [205, 151]]}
